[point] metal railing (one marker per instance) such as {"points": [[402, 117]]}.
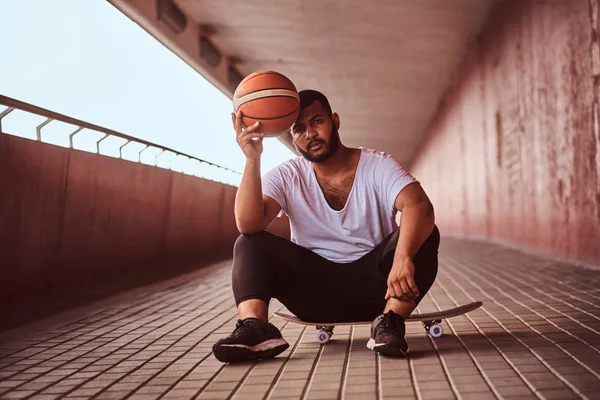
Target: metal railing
{"points": [[50, 116]]}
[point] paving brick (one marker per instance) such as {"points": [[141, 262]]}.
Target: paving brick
{"points": [[58, 389], [297, 374], [334, 385], [548, 384], [326, 378], [141, 397], [401, 382], [322, 394], [431, 377], [10, 383], [435, 385], [361, 379], [472, 387], [228, 385], [482, 395], [112, 395], [46, 396], [254, 389], [467, 378], [436, 394], [398, 392], [535, 367], [514, 390], [85, 392], [503, 381], [152, 389], [360, 396], [559, 394], [359, 388], [180, 394], [460, 371], [295, 383], [501, 373], [17, 394]]}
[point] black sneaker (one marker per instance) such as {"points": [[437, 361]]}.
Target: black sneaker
{"points": [[251, 339], [387, 335]]}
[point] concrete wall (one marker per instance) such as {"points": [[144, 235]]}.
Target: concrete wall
{"points": [[514, 153], [75, 226]]}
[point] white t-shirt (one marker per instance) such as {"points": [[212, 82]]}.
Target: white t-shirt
{"points": [[366, 219]]}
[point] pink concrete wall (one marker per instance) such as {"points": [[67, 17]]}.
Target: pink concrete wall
{"points": [[514, 153], [75, 225]]}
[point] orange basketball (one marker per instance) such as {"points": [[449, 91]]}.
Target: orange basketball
{"points": [[268, 97]]}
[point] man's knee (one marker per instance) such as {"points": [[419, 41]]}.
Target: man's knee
{"points": [[251, 242]]}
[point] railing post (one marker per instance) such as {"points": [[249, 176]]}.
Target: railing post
{"points": [[156, 158], [38, 129], [72, 135], [121, 149], [98, 143], [4, 114], [140, 153]]}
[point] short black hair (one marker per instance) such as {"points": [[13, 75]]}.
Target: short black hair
{"points": [[307, 97]]}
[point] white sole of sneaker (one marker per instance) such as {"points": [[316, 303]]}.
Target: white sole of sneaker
{"points": [[372, 345], [266, 345]]}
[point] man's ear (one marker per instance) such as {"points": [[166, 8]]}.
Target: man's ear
{"points": [[336, 120]]}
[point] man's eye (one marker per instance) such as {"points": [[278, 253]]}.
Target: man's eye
{"points": [[318, 120], [298, 129]]}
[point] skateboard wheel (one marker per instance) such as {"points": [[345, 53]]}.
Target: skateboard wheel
{"points": [[323, 337], [436, 330]]}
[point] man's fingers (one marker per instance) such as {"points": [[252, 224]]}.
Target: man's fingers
{"points": [[397, 289], [254, 127], [237, 123], [391, 291], [249, 134], [404, 289], [407, 286], [251, 130], [251, 137], [413, 286], [406, 292]]}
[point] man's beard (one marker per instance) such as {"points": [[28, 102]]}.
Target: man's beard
{"points": [[330, 150]]}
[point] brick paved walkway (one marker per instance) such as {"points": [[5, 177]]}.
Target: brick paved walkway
{"points": [[537, 336]]}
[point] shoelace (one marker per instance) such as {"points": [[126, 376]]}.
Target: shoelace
{"points": [[388, 320], [240, 327]]}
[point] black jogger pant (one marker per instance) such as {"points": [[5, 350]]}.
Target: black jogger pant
{"points": [[267, 266]]}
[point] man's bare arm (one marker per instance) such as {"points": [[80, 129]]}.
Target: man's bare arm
{"points": [[254, 212], [417, 220], [416, 224]]}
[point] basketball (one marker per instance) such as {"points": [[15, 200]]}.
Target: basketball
{"points": [[268, 97]]}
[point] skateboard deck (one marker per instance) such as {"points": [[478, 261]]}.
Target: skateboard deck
{"points": [[431, 321]]}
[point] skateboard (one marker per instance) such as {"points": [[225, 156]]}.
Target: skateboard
{"points": [[431, 321]]}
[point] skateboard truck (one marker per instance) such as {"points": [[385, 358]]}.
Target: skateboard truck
{"points": [[434, 328], [324, 334]]}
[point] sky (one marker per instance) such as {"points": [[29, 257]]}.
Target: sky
{"points": [[87, 60]]}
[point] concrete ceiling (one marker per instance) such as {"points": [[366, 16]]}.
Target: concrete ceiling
{"points": [[384, 65]]}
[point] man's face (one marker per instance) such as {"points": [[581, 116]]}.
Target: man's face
{"points": [[315, 133]]}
